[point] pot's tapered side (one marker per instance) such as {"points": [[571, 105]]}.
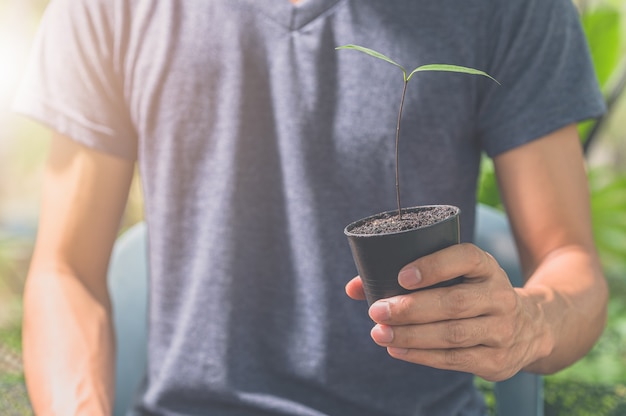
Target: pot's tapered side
{"points": [[380, 257]]}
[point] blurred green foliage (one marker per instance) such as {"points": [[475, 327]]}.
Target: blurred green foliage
{"points": [[608, 205], [566, 397], [12, 337], [572, 398], [602, 27]]}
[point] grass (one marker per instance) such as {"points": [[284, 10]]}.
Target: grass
{"points": [[13, 399], [13, 395]]}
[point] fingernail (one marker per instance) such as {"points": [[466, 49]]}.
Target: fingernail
{"points": [[382, 334], [397, 351], [409, 277], [380, 312]]}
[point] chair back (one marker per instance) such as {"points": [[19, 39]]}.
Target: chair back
{"points": [[128, 287], [521, 395]]}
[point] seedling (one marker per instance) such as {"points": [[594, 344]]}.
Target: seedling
{"points": [[407, 78]]}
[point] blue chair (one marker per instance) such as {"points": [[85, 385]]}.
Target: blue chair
{"points": [[521, 395], [128, 286]]}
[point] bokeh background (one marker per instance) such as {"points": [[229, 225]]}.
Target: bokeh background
{"points": [[594, 386]]}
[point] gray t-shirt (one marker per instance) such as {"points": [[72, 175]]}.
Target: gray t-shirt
{"points": [[258, 142]]}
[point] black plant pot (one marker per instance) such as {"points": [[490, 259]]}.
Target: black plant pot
{"points": [[380, 257]]}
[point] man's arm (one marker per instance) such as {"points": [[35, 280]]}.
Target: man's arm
{"points": [[544, 187], [484, 325], [68, 336]]}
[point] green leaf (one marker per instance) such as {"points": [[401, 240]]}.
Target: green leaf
{"points": [[451, 68], [602, 28], [373, 53], [608, 203], [487, 192]]}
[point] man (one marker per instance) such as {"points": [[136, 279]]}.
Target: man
{"points": [[257, 143]]}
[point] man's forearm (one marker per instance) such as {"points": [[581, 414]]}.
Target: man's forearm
{"points": [[68, 346], [571, 292], [68, 336]]}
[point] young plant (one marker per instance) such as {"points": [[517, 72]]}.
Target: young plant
{"points": [[407, 78]]}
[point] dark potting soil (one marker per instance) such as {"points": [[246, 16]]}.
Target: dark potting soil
{"points": [[389, 223]]}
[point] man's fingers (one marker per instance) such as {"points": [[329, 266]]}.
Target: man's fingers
{"points": [[489, 363], [354, 289], [452, 334], [465, 300], [459, 260]]}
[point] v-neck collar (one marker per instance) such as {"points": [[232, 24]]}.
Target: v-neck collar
{"points": [[293, 16]]}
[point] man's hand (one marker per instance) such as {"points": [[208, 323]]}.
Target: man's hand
{"points": [[485, 326], [482, 326]]}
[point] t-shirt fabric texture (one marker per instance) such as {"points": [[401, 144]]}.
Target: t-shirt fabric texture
{"points": [[258, 142]]}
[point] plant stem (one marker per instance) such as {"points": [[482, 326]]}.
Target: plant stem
{"points": [[406, 81]]}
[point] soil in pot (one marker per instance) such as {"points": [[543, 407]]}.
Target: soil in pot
{"points": [[389, 222]]}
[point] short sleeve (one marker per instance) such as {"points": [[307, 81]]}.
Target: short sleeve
{"points": [[73, 83], [540, 56]]}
